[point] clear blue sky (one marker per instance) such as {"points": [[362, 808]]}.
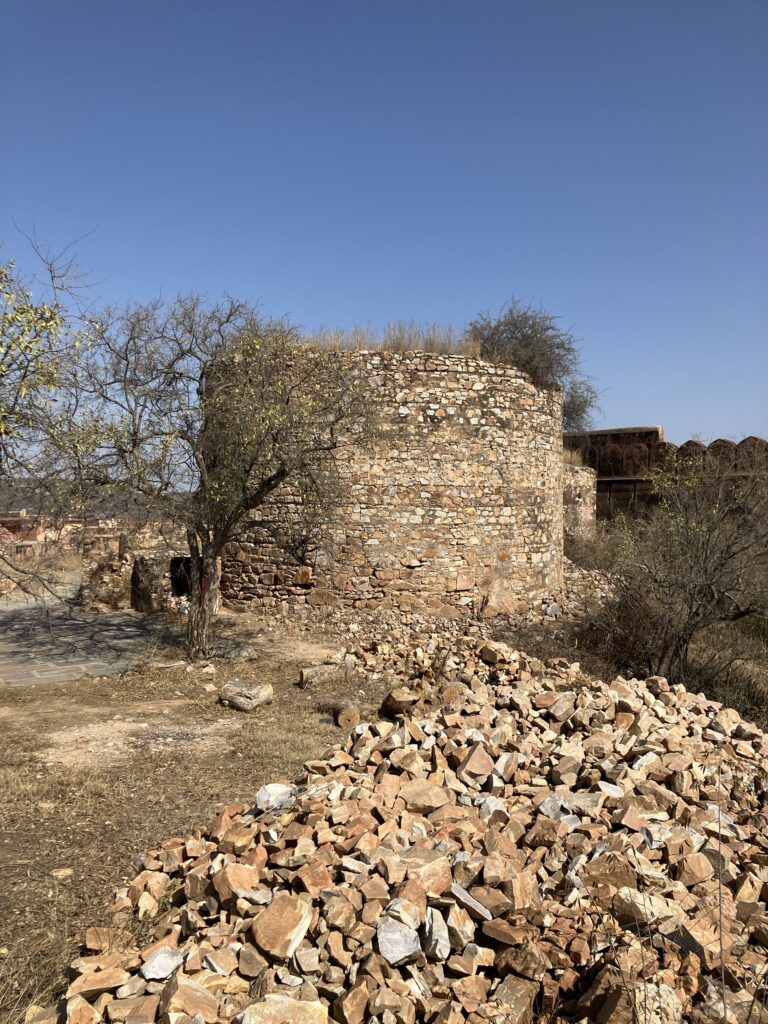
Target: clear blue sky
{"points": [[355, 161]]}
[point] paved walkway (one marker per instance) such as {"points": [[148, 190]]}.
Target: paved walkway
{"points": [[55, 643]]}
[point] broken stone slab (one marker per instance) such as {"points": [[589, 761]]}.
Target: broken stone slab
{"points": [[656, 1003], [242, 697], [632, 907], [189, 997], [437, 944], [161, 964], [279, 1009], [280, 927], [516, 997], [95, 982], [397, 943], [423, 797]]}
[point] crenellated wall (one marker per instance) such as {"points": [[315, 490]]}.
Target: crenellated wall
{"points": [[458, 504], [625, 459]]}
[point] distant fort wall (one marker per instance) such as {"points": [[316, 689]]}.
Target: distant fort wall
{"points": [[625, 459]]}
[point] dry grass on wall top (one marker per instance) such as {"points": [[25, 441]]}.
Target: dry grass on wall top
{"points": [[399, 336]]}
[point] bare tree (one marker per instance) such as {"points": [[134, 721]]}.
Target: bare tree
{"points": [[699, 558], [200, 411], [532, 340]]}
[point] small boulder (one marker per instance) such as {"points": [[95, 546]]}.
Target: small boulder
{"points": [[235, 694], [275, 796]]}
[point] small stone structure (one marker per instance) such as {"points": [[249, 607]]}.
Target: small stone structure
{"points": [[458, 504]]}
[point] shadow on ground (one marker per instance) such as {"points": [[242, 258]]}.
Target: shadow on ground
{"points": [[57, 642]]}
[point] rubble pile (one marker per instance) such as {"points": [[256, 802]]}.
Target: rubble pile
{"points": [[541, 847]]}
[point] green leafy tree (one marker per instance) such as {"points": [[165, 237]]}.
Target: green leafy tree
{"points": [[30, 341], [37, 335], [532, 340]]}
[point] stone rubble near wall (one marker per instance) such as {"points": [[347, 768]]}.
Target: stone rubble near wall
{"points": [[458, 504], [542, 846]]}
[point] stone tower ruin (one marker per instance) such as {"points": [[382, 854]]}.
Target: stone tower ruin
{"points": [[458, 505]]}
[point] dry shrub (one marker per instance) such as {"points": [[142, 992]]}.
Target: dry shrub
{"points": [[730, 663], [599, 550], [689, 584]]}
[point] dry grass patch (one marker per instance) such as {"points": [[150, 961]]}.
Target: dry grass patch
{"points": [[87, 818], [397, 336]]}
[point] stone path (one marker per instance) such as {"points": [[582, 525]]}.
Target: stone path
{"points": [[55, 643]]}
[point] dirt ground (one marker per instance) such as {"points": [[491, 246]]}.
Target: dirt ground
{"points": [[94, 772]]}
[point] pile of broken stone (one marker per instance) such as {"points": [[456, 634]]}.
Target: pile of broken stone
{"points": [[544, 846]]}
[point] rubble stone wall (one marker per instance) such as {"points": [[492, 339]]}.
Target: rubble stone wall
{"points": [[457, 504], [579, 500]]}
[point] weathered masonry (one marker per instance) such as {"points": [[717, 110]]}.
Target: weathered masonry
{"points": [[579, 500], [458, 504]]}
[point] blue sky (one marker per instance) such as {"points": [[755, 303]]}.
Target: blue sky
{"points": [[348, 161]]}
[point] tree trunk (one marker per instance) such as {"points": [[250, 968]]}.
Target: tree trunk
{"points": [[203, 599], [673, 660]]}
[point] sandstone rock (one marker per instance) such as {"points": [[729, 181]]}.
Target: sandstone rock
{"points": [[351, 1006], [321, 597], [423, 797], [657, 1003], [642, 908], [95, 982], [279, 929], [136, 1010], [275, 1009], [183, 995], [79, 1011], [695, 868], [41, 1014], [235, 880], [430, 867], [516, 997], [527, 960], [399, 700]]}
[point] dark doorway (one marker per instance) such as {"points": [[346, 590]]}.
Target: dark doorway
{"points": [[181, 576], [141, 586]]}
